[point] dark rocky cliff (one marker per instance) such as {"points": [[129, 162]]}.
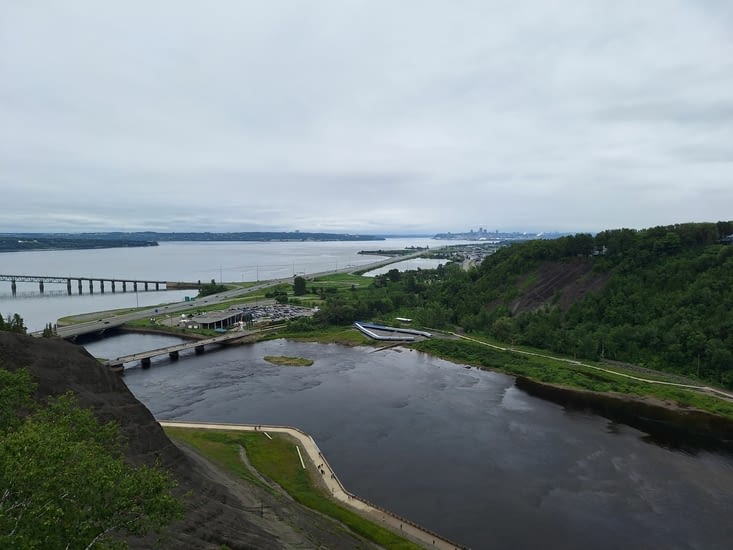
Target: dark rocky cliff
{"points": [[221, 510]]}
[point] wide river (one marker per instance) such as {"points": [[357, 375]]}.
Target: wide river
{"points": [[458, 450], [173, 261]]}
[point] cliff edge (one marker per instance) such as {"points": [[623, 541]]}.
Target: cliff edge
{"points": [[221, 510]]}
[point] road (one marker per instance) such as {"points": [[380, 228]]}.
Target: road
{"points": [[111, 321], [104, 323]]}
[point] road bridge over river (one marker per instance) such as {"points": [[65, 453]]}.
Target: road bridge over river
{"points": [[173, 352]]}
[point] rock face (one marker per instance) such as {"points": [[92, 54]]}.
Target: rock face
{"points": [[221, 510]]}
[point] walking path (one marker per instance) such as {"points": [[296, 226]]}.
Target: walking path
{"points": [[379, 515], [704, 389]]}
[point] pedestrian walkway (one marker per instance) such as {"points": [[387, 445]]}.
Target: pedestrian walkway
{"points": [[381, 516]]}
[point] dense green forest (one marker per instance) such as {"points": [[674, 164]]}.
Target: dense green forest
{"points": [[660, 298]]}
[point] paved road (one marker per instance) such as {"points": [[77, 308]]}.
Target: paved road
{"points": [[378, 515]]}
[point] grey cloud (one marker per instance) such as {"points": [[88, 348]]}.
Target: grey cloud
{"points": [[353, 116]]}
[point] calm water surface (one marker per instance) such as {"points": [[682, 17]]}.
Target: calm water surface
{"points": [[458, 450], [171, 261]]}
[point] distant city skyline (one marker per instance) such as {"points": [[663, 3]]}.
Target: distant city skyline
{"points": [[365, 117]]}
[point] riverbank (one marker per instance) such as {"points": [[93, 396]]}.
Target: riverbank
{"points": [[670, 412], [307, 449], [667, 422], [676, 414]]}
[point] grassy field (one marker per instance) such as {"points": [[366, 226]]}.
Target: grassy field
{"points": [[347, 336], [277, 460]]}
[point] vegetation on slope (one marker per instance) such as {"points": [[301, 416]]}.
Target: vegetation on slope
{"points": [[660, 298], [277, 459], [65, 483]]}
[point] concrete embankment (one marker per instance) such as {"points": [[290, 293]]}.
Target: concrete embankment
{"points": [[376, 513]]}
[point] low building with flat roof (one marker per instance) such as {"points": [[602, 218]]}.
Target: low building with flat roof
{"points": [[218, 319]]}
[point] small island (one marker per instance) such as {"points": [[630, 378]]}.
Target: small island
{"points": [[286, 361]]}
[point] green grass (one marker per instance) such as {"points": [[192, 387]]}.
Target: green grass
{"points": [[557, 372], [340, 279], [347, 336], [277, 459], [221, 448]]}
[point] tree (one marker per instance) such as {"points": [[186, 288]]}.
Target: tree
{"points": [[299, 286], [209, 289], [13, 323], [65, 483]]}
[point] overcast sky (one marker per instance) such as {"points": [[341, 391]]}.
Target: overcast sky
{"points": [[394, 116]]}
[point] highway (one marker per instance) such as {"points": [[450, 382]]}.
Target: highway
{"points": [[111, 321], [104, 323]]}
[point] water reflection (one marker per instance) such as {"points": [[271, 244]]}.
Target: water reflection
{"points": [[461, 451]]}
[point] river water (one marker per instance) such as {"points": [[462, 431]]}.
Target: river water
{"points": [[458, 450], [173, 261]]}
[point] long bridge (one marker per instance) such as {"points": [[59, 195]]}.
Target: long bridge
{"points": [[134, 284]]}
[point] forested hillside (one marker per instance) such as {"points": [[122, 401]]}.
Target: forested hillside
{"points": [[660, 297]]}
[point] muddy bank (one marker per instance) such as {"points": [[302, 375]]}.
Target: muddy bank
{"points": [[666, 423]]}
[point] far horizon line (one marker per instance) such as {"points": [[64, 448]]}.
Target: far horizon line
{"points": [[392, 234]]}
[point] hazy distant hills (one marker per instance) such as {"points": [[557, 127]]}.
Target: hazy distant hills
{"points": [[13, 242]]}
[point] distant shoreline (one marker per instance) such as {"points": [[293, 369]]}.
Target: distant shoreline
{"points": [[15, 242]]}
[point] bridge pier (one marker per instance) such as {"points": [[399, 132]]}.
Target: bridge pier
{"points": [[81, 283], [173, 355], [199, 350], [145, 362], [116, 367]]}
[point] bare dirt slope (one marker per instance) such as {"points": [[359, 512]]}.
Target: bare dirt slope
{"points": [[557, 284], [221, 510]]}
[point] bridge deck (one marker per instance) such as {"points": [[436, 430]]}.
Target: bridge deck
{"points": [[66, 278], [178, 347]]}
